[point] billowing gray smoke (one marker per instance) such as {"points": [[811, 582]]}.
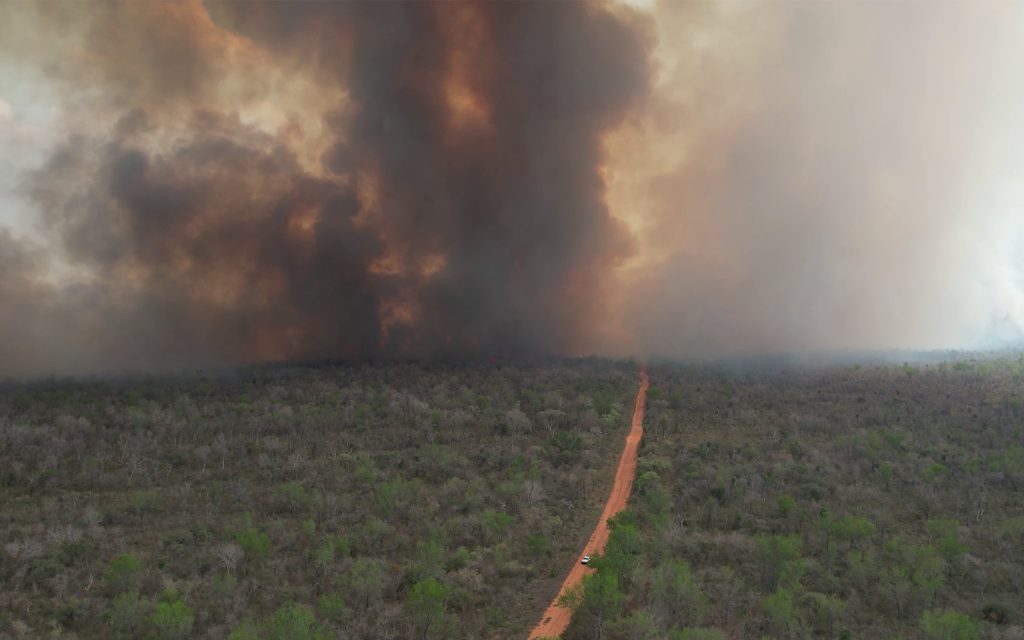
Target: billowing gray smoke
{"points": [[453, 203], [247, 181]]}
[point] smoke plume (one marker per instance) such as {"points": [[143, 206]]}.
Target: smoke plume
{"points": [[236, 182], [811, 176], [437, 191]]}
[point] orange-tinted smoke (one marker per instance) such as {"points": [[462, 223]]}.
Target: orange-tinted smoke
{"points": [[309, 180]]}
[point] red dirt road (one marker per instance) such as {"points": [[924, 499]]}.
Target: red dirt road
{"points": [[556, 619]]}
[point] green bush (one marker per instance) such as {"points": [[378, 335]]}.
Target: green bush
{"points": [[342, 546], [786, 505], [223, 585], [292, 497], [173, 620], [825, 610], [127, 615], [460, 558], [426, 604], [256, 544], [294, 622], [496, 522], [948, 625], [322, 557], [677, 595], [780, 610], [246, 631], [780, 558], [332, 607], [538, 545], [43, 568], [123, 573], [143, 503], [367, 578], [72, 553]]}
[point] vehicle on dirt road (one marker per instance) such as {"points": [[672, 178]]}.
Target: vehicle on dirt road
{"points": [[585, 560]]}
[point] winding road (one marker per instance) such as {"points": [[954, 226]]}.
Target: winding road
{"points": [[556, 618]]}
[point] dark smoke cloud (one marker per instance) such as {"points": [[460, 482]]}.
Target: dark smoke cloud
{"points": [[455, 203], [247, 181], [197, 249]]}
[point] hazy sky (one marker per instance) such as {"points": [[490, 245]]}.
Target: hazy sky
{"points": [[184, 183], [810, 175]]}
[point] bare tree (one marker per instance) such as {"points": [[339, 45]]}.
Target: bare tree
{"points": [[230, 555], [534, 491], [220, 446]]}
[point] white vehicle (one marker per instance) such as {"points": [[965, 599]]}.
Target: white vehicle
{"points": [[585, 560]]}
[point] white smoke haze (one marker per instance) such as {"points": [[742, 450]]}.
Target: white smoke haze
{"points": [[826, 176]]}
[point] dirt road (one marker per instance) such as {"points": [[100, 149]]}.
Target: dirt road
{"points": [[556, 618]]}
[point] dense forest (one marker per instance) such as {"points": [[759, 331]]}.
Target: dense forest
{"points": [[295, 502], [843, 502]]}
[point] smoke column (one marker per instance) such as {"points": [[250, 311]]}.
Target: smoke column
{"points": [[190, 183], [437, 191]]}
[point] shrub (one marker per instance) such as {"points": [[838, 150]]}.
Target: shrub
{"points": [[43, 568], [292, 497], [332, 607], [496, 522], [143, 503], [780, 556], [127, 615], [426, 604], [342, 546], [173, 620], [779, 609], [538, 544], [676, 594], [224, 585], [123, 573], [948, 625], [698, 634], [246, 631], [460, 558], [294, 622], [322, 557], [996, 613], [367, 579], [825, 610], [786, 505], [853, 529], [72, 613], [256, 544]]}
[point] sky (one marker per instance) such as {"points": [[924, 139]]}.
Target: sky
{"points": [[196, 183]]}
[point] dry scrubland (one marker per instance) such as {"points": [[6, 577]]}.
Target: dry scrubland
{"points": [[860, 502], [350, 501]]}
